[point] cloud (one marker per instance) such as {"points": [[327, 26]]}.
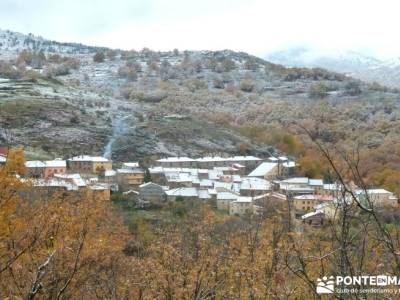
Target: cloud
{"points": [[255, 26]]}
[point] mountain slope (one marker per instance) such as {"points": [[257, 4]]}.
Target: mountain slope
{"points": [[17, 42], [349, 62], [141, 104]]}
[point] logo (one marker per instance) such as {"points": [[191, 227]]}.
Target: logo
{"points": [[325, 285]]}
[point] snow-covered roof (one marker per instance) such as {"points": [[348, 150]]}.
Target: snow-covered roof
{"points": [[35, 164], [254, 183], [311, 214], [148, 184], [227, 159], [130, 171], [203, 194], [55, 182], [222, 185], [244, 158], [294, 188], [225, 195], [156, 170], [183, 192], [3, 159], [238, 166], [176, 159], [296, 180], [333, 187], [373, 191], [57, 163], [89, 158], [209, 159], [314, 197], [272, 158], [263, 169], [212, 191], [99, 187], [74, 178], [130, 165], [215, 174], [178, 177], [206, 183], [316, 182], [225, 169], [242, 199], [110, 173], [289, 164], [282, 158]]}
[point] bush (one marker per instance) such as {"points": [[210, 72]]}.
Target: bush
{"points": [[352, 88], [153, 97], [195, 84], [247, 85], [60, 70], [8, 71], [318, 90], [218, 83], [99, 57], [228, 65], [74, 120], [128, 72], [111, 54], [251, 64]]}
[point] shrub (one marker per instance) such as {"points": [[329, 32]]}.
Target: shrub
{"points": [[195, 84], [111, 54], [251, 64], [60, 70], [128, 72], [99, 57], [8, 71], [352, 88], [228, 65], [247, 85], [218, 83], [318, 90]]}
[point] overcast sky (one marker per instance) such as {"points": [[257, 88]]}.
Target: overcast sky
{"points": [[254, 26]]}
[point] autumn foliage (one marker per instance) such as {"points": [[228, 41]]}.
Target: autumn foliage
{"points": [[71, 246]]}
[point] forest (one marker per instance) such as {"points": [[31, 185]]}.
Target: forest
{"points": [[76, 247]]}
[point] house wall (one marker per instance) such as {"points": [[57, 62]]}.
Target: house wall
{"points": [[35, 172], [306, 205], [98, 166], [152, 192], [252, 193], [50, 171], [224, 204], [316, 221], [272, 174], [240, 208], [83, 167], [128, 181]]}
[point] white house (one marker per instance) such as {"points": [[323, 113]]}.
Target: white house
{"points": [[266, 170]]}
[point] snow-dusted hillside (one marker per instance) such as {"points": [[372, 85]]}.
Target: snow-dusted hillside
{"points": [[16, 42], [353, 63]]}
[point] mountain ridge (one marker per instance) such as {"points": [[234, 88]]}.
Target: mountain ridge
{"points": [[353, 63]]}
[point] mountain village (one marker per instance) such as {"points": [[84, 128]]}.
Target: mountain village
{"points": [[238, 185]]}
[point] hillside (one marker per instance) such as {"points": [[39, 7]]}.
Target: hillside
{"points": [[11, 41], [146, 104], [355, 64]]}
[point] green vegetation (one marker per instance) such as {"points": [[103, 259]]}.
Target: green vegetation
{"points": [[99, 57]]}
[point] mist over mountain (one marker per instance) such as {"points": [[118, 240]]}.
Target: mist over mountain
{"points": [[352, 63]]}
